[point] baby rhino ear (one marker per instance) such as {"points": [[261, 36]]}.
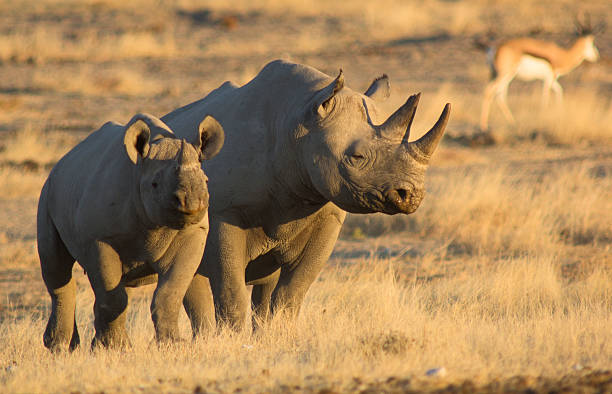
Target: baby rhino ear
{"points": [[136, 140], [212, 137]]}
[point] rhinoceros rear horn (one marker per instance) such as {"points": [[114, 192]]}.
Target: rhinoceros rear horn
{"points": [[398, 125], [324, 96], [136, 140], [212, 138], [427, 143]]}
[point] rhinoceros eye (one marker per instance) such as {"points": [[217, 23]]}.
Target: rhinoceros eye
{"points": [[154, 184], [358, 160]]}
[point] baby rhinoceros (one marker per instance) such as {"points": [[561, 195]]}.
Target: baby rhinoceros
{"points": [[129, 203]]}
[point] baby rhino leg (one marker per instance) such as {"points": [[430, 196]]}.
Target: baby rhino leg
{"points": [[104, 270], [56, 266]]}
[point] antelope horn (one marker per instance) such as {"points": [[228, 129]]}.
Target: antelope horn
{"points": [[427, 143], [401, 120]]}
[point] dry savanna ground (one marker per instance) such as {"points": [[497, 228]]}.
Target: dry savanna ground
{"points": [[501, 281]]}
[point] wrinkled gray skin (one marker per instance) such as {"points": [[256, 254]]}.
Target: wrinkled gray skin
{"points": [[130, 204], [300, 150]]}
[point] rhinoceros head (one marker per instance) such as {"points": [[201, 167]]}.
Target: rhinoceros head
{"points": [[358, 164], [172, 186]]}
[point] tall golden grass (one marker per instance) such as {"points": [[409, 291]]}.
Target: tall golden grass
{"points": [[357, 325], [31, 144], [26, 156]]}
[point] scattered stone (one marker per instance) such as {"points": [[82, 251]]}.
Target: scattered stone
{"points": [[437, 372]]}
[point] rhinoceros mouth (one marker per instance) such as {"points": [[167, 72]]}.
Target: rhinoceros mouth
{"points": [[179, 219], [393, 209]]}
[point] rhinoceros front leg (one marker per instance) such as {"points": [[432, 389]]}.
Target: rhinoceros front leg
{"points": [[104, 270], [297, 275], [225, 262], [175, 273]]}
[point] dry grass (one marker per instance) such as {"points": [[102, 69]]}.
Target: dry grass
{"points": [[26, 157], [43, 44], [356, 326], [156, 35], [583, 118], [91, 81], [382, 20], [18, 183], [507, 210], [30, 144]]}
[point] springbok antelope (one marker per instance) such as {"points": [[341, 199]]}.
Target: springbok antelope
{"points": [[530, 59]]}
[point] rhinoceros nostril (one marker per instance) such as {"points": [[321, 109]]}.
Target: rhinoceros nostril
{"points": [[402, 193], [179, 199]]}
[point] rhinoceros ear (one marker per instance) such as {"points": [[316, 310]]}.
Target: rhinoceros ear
{"points": [[136, 140], [379, 88], [212, 137], [324, 96]]}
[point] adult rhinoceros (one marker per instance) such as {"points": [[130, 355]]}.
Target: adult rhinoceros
{"points": [[301, 150]]}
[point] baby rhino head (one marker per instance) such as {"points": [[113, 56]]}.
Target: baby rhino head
{"points": [[172, 188]]}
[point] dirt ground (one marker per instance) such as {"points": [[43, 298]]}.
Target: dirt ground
{"points": [[67, 67]]}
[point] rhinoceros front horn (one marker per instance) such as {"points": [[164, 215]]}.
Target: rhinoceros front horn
{"points": [[399, 123], [426, 145]]}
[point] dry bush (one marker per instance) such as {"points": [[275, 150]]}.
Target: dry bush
{"points": [[31, 145], [17, 183], [17, 254], [93, 81], [26, 157], [381, 20], [388, 20], [584, 117], [358, 325], [46, 43]]}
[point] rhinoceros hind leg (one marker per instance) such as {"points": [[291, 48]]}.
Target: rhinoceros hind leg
{"points": [[56, 265], [261, 299], [75, 341]]}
